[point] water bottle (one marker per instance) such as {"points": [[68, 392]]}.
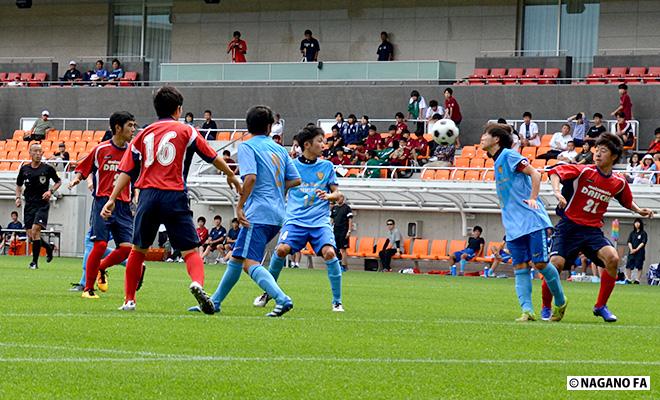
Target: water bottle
{"points": [[486, 272], [452, 270]]}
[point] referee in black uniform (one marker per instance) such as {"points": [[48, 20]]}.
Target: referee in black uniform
{"points": [[342, 222], [36, 176]]}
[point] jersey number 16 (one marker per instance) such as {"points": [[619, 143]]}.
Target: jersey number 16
{"points": [[166, 151]]}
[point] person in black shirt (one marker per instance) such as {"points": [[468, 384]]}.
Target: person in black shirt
{"points": [[72, 74], [216, 239], [209, 126], [637, 252], [385, 50], [596, 129], [342, 225], [309, 47], [474, 248], [36, 176]]}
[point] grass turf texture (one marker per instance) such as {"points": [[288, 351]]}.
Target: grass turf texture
{"points": [[402, 336]]}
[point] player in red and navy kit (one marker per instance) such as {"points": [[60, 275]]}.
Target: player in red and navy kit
{"points": [[160, 155], [583, 200], [102, 164]]}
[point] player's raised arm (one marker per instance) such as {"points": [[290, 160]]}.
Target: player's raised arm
{"points": [[556, 190]]}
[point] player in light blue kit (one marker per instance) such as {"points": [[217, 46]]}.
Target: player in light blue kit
{"points": [[524, 218], [308, 214], [267, 173]]}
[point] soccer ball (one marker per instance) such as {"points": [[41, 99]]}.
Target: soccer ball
{"points": [[444, 132]]}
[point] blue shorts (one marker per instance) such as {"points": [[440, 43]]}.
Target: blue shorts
{"points": [[118, 227], [297, 237], [531, 247], [469, 252], [504, 256], [252, 241], [570, 239], [168, 207]]}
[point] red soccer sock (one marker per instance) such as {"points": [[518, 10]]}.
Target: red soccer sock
{"points": [[93, 263], [546, 295], [607, 283], [133, 273], [195, 267], [118, 255]]}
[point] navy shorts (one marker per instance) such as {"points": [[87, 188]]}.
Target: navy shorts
{"points": [[168, 207], [297, 237], [531, 247], [469, 252], [252, 241], [635, 261], [570, 239], [118, 227]]}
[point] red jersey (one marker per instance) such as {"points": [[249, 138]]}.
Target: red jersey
{"points": [[344, 160], [103, 162], [455, 110], [373, 142], [203, 234], [654, 147], [588, 192], [161, 155], [626, 106], [237, 49]]}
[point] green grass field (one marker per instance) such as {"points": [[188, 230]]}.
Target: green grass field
{"points": [[401, 336]]}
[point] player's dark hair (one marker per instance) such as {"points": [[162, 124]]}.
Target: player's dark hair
{"points": [[189, 114], [258, 118], [392, 128], [433, 103], [527, 114], [620, 114], [398, 115], [657, 130], [167, 100], [308, 32], [352, 116], [613, 144], [414, 93], [449, 90], [478, 228], [308, 134], [201, 219], [120, 118], [14, 213], [641, 224], [623, 86], [390, 220], [373, 128], [501, 121], [502, 132], [598, 115], [226, 153], [237, 33], [208, 111], [217, 217]]}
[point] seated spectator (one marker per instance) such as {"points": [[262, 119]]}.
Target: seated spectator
{"points": [[373, 141], [586, 157], [337, 139], [417, 146], [594, 131], [16, 82], [226, 156], [579, 126], [61, 156], [278, 126], [278, 139], [394, 135], [99, 74], [202, 232], [475, 246], [351, 133], [400, 122], [209, 128], [117, 71], [373, 161], [340, 124], [40, 128], [359, 155], [646, 175], [529, 131], [189, 119], [434, 108], [558, 143], [363, 128], [72, 74], [633, 167], [501, 254], [514, 134], [340, 158], [443, 156], [232, 235], [393, 246], [329, 150], [216, 239], [654, 147], [15, 224], [401, 154], [624, 129], [568, 156]]}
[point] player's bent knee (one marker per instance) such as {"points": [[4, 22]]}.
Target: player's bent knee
{"points": [[283, 250], [328, 253]]}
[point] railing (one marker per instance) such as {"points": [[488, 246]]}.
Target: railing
{"points": [[514, 53], [327, 123], [97, 123], [629, 51]]}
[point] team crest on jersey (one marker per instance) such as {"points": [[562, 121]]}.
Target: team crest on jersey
{"points": [[320, 175], [43, 179], [500, 170]]}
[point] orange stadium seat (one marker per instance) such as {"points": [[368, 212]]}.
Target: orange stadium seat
{"points": [[482, 154], [69, 146], [10, 145], [12, 155], [18, 134], [456, 245], [75, 136], [380, 243], [428, 174], [90, 146], [223, 136], [461, 162], [5, 166], [477, 162], [26, 76], [490, 163], [98, 135], [406, 248], [48, 154], [352, 250], [11, 76], [24, 155], [2, 144], [64, 136], [3, 154], [552, 162], [87, 136], [15, 166], [366, 246], [46, 145], [441, 175], [543, 150], [420, 250], [489, 176], [52, 135], [38, 79], [308, 250], [22, 146], [458, 175], [545, 140], [80, 146], [489, 252], [438, 250], [529, 152], [538, 164], [472, 175], [469, 152]]}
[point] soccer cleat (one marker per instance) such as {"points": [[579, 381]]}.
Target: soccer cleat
{"points": [[605, 313], [262, 300], [558, 311], [527, 316], [76, 287], [216, 309], [144, 269], [49, 253], [33, 265], [127, 306], [337, 307], [205, 303], [635, 282], [89, 294], [102, 280], [281, 309], [546, 313]]}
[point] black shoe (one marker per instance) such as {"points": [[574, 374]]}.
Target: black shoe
{"points": [[49, 253], [144, 269], [628, 282], [76, 287], [636, 282], [33, 265]]}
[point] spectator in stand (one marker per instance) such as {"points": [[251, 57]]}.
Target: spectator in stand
{"points": [[475, 247], [434, 108], [625, 104], [237, 47], [452, 109], [633, 167], [61, 155], [190, 119], [654, 147], [278, 139], [99, 74], [400, 157], [340, 158], [646, 175], [443, 156], [569, 155], [329, 148], [341, 216], [586, 157], [529, 131], [117, 71], [624, 129], [337, 139], [72, 74], [394, 134], [309, 48], [417, 109], [16, 225], [558, 143], [278, 126], [373, 161], [580, 125], [351, 134], [393, 246], [232, 235], [363, 128], [216, 239], [400, 123], [40, 128], [417, 146], [373, 141], [514, 134], [359, 155], [226, 155], [16, 82], [340, 124], [202, 232], [594, 132], [385, 50], [209, 127], [637, 241]]}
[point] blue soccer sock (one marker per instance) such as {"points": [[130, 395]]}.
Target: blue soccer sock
{"points": [[463, 263], [276, 265], [334, 275], [524, 289], [551, 276], [228, 281], [265, 280]]}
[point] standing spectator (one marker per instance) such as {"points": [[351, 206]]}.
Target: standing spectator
{"points": [[190, 119], [594, 132], [417, 109], [342, 226], [278, 126], [340, 158], [363, 128], [278, 139], [117, 71], [637, 241], [309, 47], [568, 156], [646, 175], [373, 140], [452, 109], [580, 125], [625, 104], [202, 232], [654, 147], [296, 150], [393, 246], [624, 129], [529, 131], [209, 126], [434, 108], [633, 167], [350, 135], [475, 247], [401, 125], [237, 47], [72, 74], [586, 157], [385, 50], [558, 143], [40, 128]]}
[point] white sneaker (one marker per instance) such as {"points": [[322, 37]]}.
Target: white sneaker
{"points": [[262, 300], [337, 307], [169, 260], [128, 306], [179, 260]]}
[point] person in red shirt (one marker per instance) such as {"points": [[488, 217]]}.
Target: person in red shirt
{"points": [[452, 109], [103, 164], [373, 141], [340, 158], [237, 47], [654, 147], [582, 201], [160, 156], [202, 232], [625, 104], [395, 134], [400, 122], [359, 155], [417, 145]]}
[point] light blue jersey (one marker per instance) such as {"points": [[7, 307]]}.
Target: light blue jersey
{"points": [[272, 166], [303, 207], [513, 187]]}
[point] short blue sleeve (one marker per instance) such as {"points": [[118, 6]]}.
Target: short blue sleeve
{"points": [[290, 172], [332, 177], [247, 160], [513, 159]]}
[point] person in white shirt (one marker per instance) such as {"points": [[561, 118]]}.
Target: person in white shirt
{"points": [[558, 143], [568, 156], [434, 108], [417, 110], [529, 131], [278, 126]]}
